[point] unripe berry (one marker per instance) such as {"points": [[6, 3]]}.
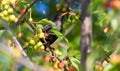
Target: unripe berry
{"points": [[12, 17], [15, 20], [39, 44], [30, 19], [5, 12], [41, 35], [1, 15], [39, 30], [6, 6], [10, 10], [42, 47], [32, 42], [5, 18], [35, 47], [3, 2], [12, 2], [99, 68], [25, 44], [58, 52]]}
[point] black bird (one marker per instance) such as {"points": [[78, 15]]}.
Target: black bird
{"points": [[50, 37]]}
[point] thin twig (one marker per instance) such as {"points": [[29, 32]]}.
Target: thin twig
{"points": [[28, 22], [55, 55], [22, 15]]}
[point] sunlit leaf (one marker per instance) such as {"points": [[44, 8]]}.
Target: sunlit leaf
{"points": [[75, 63], [60, 35], [46, 21]]}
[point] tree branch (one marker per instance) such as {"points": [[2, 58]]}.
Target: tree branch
{"points": [[86, 33]]}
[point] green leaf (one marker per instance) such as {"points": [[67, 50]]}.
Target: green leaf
{"points": [[60, 35], [75, 62], [66, 40], [39, 26], [1, 31], [72, 52], [46, 21], [25, 2], [115, 67], [57, 33]]}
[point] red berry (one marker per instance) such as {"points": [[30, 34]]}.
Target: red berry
{"points": [[107, 5], [106, 30], [71, 68], [19, 35], [115, 4], [47, 59], [60, 65], [22, 11]]}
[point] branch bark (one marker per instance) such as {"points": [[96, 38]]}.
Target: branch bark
{"points": [[86, 33]]}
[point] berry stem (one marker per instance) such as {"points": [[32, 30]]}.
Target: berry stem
{"points": [[30, 13]]}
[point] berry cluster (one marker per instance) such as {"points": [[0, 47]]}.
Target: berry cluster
{"points": [[39, 41], [35, 42], [6, 12]]}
